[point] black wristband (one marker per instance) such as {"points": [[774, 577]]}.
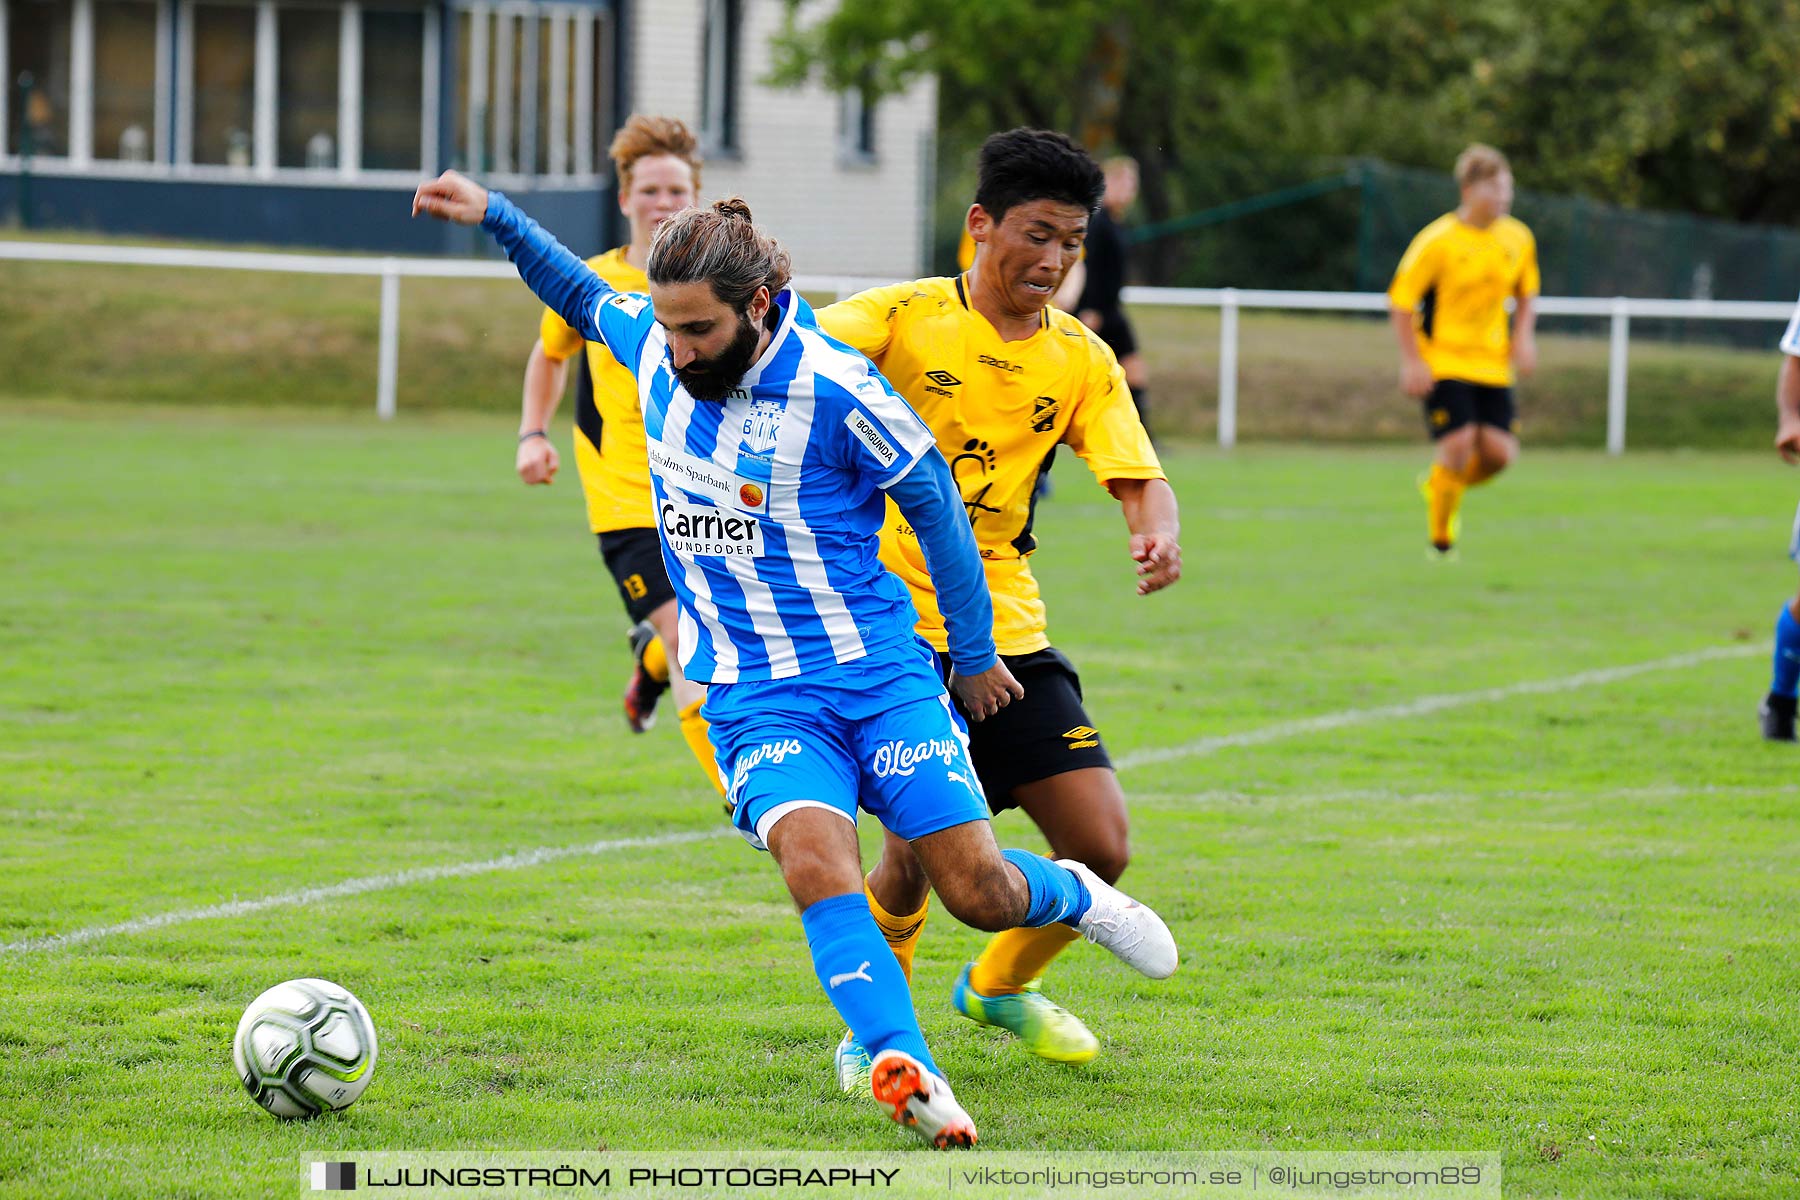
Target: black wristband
{"points": [[531, 433]]}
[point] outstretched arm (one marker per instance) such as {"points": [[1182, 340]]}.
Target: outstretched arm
{"points": [[928, 499], [549, 268]]}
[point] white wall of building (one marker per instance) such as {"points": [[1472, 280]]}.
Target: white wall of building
{"points": [[835, 216]]}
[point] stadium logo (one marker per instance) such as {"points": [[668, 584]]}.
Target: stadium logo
{"points": [[334, 1177], [1000, 364], [751, 495], [699, 530], [1043, 414], [898, 758]]}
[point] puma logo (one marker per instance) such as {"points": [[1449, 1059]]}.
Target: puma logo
{"points": [[861, 973]]}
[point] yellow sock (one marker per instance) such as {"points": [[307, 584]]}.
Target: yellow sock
{"points": [[693, 728], [1444, 496], [1015, 957], [1477, 472], [656, 660], [902, 933]]}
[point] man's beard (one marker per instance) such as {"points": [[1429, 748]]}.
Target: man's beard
{"points": [[712, 379]]}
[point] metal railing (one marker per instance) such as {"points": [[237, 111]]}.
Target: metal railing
{"points": [[1229, 301], [1618, 309]]}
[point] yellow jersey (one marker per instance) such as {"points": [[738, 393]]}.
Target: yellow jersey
{"points": [[1456, 279], [610, 452], [998, 410]]}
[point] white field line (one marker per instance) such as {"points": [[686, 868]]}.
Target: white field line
{"points": [[531, 858], [1425, 705], [355, 887]]}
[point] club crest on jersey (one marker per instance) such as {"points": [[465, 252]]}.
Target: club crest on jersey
{"points": [[1043, 414], [762, 427]]}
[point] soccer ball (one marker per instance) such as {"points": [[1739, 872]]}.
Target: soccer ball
{"points": [[304, 1047]]}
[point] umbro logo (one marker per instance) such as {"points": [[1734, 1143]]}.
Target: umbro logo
{"points": [[1082, 737], [942, 378]]}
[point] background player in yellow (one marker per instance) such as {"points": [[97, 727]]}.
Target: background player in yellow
{"points": [[1002, 378], [1458, 350], [658, 167]]}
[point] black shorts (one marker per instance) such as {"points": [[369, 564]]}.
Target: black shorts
{"points": [[1047, 733], [1116, 332], [635, 559], [1454, 403]]}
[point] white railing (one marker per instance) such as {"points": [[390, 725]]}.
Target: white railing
{"points": [[1620, 310], [1229, 301]]}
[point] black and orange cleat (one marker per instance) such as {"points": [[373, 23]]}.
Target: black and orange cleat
{"points": [[643, 689], [919, 1100]]}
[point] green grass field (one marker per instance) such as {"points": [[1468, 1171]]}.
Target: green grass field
{"points": [[1420, 908], [203, 338]]}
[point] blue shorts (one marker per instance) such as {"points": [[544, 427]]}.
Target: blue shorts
{"points": [[877, 734], [1794, 538]]}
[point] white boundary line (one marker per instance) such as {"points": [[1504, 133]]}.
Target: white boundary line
{"points": [[1194, 749], [1426, 705], [355, 887]]}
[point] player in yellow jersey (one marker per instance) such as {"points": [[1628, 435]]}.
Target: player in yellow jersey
{"points": [[1003, 379], [1458, 349], [658, 167]]}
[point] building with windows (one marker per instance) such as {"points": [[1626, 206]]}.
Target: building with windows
{"points": [[310, 122]]}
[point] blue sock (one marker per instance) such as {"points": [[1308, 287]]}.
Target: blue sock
{"points": [[1787, 655], [1057, 893], [870, 992]]}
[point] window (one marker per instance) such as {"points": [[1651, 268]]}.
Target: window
{"points": [[472, 75], [718, 76], [856, 127], [393, 86], [306, 88], [124, 80], [535, 88], [37, 110], [224, 85]]}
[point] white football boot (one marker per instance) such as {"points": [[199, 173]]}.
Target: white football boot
{"points": [[1130, 930], [920, 1100]]}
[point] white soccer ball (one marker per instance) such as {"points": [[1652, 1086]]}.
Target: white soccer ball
{"points": [[304, 1047]]}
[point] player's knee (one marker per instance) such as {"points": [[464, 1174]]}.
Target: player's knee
{"points": [[983, 900], [902, 868], [812, 875], [1107, 858], [1103, 847]]}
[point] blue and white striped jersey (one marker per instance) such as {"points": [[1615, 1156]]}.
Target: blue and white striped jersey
{"points": [[769, 505], [1790, 340]]}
